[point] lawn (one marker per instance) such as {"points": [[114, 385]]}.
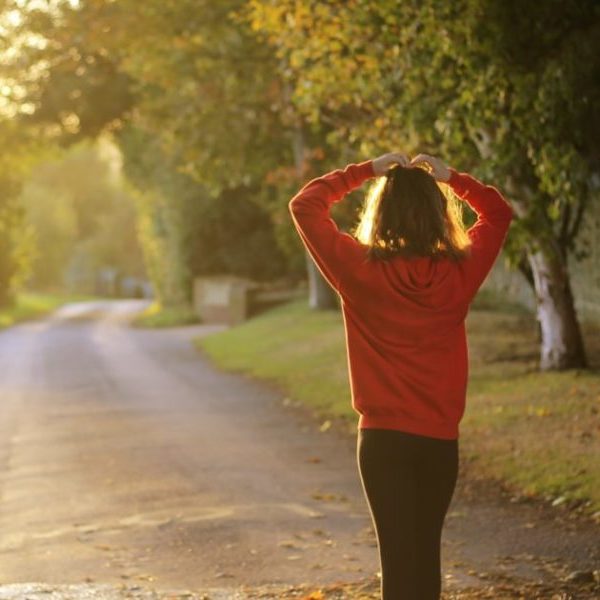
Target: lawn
{"points": [[538, 432], [157, 315], [34, 305]]}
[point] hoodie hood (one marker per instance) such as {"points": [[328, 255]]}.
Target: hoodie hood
{"points": [[419, 276]]}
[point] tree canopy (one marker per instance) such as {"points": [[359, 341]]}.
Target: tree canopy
{"points": [[236, 103]]}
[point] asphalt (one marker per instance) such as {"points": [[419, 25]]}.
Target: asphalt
{"points": [[129, 463]]}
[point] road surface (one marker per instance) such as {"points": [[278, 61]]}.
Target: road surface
{"points": [[125, 456]]}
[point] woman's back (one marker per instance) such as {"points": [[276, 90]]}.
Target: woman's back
{"points": [[406, 345], [404, 317]]}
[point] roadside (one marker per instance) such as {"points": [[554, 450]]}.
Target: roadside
{"points": [[34, 305], [155, 315], [526, 508], [537, 432]]}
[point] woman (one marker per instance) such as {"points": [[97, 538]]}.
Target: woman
{"points": [[406, 280]]}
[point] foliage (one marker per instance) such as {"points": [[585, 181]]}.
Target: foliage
{"points": [[214, 98], [29, 306], [15, 234], [505, 89], [58, 75], [186, 231], [240, 96], [82, 217], [208, 108]]}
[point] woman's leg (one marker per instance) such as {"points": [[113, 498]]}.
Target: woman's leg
{"points": [[436, 479], [387, 463]]}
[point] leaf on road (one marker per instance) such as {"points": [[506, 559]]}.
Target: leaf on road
{"points": [[318, 595], [288, 544]]}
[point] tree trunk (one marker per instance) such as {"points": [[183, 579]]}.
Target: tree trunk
{"points": [[562, 344], [321, 296], [6, 271]]}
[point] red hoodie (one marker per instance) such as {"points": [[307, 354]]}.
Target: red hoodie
{"points": [[404, 319]]}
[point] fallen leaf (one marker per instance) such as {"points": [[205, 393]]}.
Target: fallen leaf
{"points": [[325, 426], [318, 595], [288, 544]]}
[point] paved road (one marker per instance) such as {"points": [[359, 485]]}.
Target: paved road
{"points": [[123, 455], [126, 457]]}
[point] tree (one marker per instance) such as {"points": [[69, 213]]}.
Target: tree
{"points": [[506, 90], [216, 102], [57, 72], [82, 217], [15, 234], [186, 231], [203, 90]]}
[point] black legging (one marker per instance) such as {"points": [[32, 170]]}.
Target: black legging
{"points": [[408, 481]]}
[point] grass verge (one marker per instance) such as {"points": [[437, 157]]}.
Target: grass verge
{"points": [[157, 315], [34, 305], [538, 432]]}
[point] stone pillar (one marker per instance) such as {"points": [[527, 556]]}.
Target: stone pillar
{"points": [[222, 298]]}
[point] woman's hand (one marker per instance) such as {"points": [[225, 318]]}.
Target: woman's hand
{"points": [[384, 162], [438, 169]]}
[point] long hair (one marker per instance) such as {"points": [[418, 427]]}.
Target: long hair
{"points": [[407, 213]]}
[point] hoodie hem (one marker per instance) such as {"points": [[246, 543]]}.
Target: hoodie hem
{"points": [[446, 431]]}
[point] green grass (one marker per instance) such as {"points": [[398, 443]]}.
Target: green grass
{"points": [[34, 305], [300, 350], [536, 431], [157, 315]]}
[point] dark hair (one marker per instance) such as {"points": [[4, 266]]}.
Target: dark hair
{"points": [[406, 213]]}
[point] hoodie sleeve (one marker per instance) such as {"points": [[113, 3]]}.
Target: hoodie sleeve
{"points": [[487, 235], [334, 252]]}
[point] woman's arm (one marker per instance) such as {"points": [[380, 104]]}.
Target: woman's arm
{"points": [[334, 252], [494, 215], [487, 235]]}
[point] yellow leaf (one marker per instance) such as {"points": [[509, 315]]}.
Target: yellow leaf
{"points": [[318, 595]]}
